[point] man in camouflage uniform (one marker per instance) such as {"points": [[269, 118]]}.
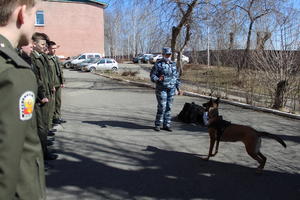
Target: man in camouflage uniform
{"points": [[164, 73], [21, 161]]}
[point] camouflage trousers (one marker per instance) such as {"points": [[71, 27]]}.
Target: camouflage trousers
{"points": [[164, 98]]}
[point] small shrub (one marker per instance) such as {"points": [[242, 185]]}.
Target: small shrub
{"points": [[129, 73]]}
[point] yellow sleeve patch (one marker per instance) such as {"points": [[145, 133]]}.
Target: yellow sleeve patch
{"points": [[26, 105]]}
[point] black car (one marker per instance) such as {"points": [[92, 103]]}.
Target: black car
{"points": [[138, 58], [146, 58]]}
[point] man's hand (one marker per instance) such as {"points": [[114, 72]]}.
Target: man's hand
{"points": [[53, 89], [45, 100], [161, 78], [180, 93], [62, 85]]}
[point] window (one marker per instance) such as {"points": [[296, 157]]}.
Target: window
{"points": [[109, 61], [97, 56], [39, 18], [90, 56], [82, 57], [101, 61]]}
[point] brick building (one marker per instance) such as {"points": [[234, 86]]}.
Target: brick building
{"points": [[76, 25]]}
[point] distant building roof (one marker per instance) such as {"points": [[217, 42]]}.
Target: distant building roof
{"points": [[96, 2]]}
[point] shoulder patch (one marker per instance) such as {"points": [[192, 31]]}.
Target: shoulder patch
{"points": [[26, 105]]}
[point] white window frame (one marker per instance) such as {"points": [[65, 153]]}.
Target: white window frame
{"points": [[40, 12]]}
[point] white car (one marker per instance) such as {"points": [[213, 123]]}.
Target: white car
{"points": [[83, 57], [155, 58], [103, 64], [184, 59]]}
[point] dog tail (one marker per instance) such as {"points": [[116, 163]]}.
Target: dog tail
{"points": [[275, 137]]}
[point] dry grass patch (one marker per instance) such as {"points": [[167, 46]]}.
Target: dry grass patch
{"points": [[128, 75], [249, 85]]}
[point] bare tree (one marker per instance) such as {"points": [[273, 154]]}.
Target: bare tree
{"points": [[112, 26], [261, 39], [277, 73], [186, 10], [254, 9]]}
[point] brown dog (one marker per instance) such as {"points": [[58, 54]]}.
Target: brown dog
{"points": [[221, 130]]}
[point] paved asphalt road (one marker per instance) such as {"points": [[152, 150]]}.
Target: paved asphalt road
{"points": [[108, 150]]}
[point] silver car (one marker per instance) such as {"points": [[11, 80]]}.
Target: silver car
{"points": [[87, 62], [103, 64]]}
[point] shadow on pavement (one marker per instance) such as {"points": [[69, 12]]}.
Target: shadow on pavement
{"points": [[291, 138], [121, 124], [167, 174], [190, 127], [130, 125]]}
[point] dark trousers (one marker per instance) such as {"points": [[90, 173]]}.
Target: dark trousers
{"points": [[42, 128], [57, 112], [51, 107]]}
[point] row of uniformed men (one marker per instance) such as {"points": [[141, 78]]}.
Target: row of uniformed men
{"points": [[40, 55]]}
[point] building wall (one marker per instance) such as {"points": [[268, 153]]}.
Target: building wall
{"points": [[76, 27]]}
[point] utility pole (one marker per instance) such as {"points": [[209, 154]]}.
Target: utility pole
{"points": [[208, 38], [208, 51], [128, 53]]}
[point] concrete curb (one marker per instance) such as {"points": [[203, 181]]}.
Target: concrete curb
{"points": [[192, 94]]}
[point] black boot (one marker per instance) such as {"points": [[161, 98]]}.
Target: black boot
{"points": [[62, 120], [56, 121], [157, 128], [167, 128], [51, 156]]}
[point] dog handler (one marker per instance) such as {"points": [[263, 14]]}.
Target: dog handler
{"points": [[164, 73], [21, 160]]}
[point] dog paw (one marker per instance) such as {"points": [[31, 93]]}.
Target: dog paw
{"points": [[206, 158], [213, 154]]}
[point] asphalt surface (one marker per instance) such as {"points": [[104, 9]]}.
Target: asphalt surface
{"points": [[108, 150]]}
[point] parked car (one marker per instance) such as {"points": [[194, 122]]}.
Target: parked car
{"points": [[83, 57], [155, 58], [146, 58], [67, 63], [184, 59], [103, 64], [138, 58], [86, 62]]}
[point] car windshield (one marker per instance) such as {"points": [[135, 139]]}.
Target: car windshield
{"points": [[92, 60], [101, 61], [89, 60], [75, 57], [95, 60]]}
